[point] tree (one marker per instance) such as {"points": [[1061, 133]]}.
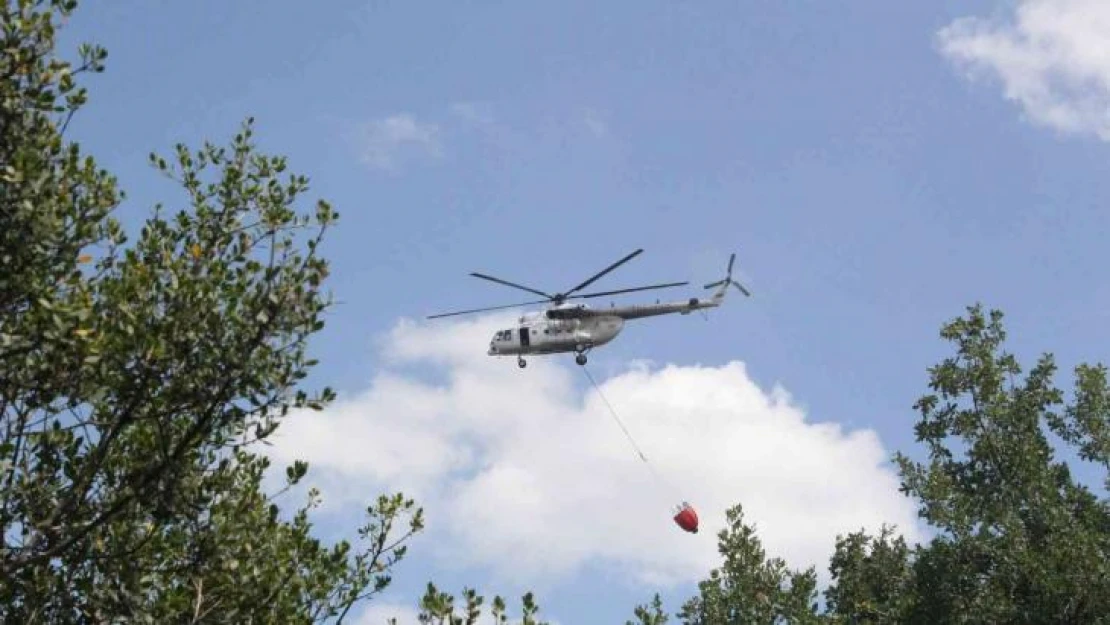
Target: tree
{"points": [[749, 587], [1021, 541], [652, 614], [438, 608], [136, 380], [871, 578]]}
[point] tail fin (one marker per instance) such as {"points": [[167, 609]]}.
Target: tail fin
{"points": [[724, 284]]}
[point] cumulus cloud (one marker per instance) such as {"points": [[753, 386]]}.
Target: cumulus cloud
{"points": [[595, 123], [523, 471], [387, 140], [1051, 57]]}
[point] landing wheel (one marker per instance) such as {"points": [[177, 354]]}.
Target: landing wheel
{"points": [[580, 359], [520, 362]]}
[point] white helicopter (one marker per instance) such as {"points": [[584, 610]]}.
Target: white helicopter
{"points": [[565, 328]]}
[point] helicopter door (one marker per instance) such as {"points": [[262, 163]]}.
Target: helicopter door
{"points": [[525, 340]]}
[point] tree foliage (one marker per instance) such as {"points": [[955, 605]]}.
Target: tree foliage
{"points": [[871, 578], [439, 608], [650, 614], [1020, 539], [136, 379]]}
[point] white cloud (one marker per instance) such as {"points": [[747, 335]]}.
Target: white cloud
{"points": [[595, 123], [386, 141], [379, 613], [521, 472], [1052, 57]]}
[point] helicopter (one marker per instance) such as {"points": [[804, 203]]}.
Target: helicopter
{"points": [[566, 327]]}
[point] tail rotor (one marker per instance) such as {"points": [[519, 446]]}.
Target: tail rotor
{"points": [[728, 279]]}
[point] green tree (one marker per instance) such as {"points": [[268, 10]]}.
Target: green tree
{"points": [[749, 587], [1021, 540], [136, 380], [438, 608], [871, 578], [650, 614]]}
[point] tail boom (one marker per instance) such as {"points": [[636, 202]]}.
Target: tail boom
{"points": [[684, 307]]}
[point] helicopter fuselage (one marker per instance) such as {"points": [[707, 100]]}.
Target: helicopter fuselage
{"points": [[536, 334], [579, 328]]}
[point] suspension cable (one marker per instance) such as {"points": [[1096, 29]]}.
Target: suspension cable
{"points": [[658, 478], [615, 417]]}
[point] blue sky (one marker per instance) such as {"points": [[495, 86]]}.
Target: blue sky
{"points": [[874, 168]]}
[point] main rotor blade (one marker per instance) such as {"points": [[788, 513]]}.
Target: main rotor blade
{"points": [[605, 271], [478, 310], [639, 288], [514, 285]]}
